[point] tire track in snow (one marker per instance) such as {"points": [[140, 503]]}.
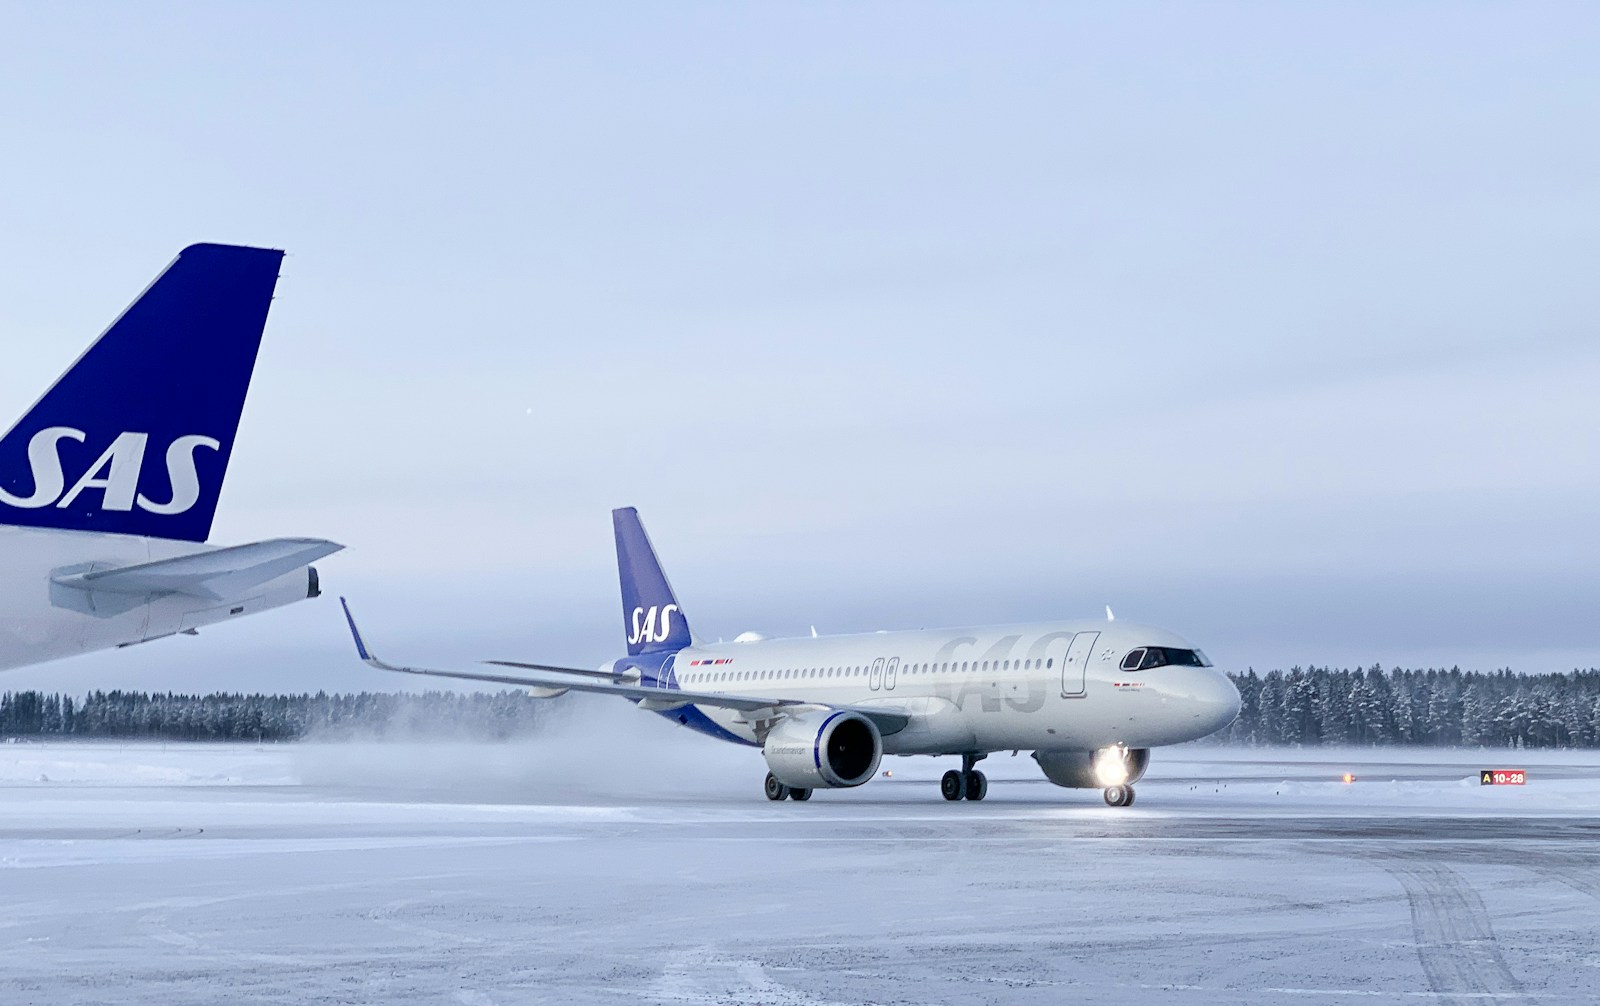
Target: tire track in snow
{"points": [[1580, 875], [1455, 942]]}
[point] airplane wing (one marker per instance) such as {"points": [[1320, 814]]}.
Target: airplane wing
{"points": [[212, 575], [606, 675], [551, 684]]}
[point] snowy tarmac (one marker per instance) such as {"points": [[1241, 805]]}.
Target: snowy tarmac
{"points": [[588, 870]]}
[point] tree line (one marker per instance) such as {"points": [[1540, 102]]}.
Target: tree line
{"points": [[1305, 706], [224, 716], [1312, 706]]}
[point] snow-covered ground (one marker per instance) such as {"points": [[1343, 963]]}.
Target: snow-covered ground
{"points": [[619, 860]]}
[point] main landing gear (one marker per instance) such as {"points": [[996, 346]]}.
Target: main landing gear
{"points": [[967, 784], [1119, 796], [778, 791]]}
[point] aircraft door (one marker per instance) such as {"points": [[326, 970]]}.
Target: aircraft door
{"points": [[875, 677], [1075, 668], [889, 673]]}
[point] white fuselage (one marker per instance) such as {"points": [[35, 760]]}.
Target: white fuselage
{"points": [[1040, 686], [41, 620]]}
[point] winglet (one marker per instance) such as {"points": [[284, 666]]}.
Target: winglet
{"points": [[355, 633]]}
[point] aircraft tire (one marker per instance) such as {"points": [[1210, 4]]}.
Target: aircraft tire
{"points": [[952, 786], [1130, 796], [1119, 796], [775, 789], [976, 785], [799, 793]]}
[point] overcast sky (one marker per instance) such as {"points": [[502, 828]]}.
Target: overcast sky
{"points": [[1272, 325]]}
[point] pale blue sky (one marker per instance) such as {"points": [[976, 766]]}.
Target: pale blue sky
{"points": [[1274, 325]]}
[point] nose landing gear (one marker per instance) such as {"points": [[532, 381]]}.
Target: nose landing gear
{"points": [[967, 784], [1119, 796]]}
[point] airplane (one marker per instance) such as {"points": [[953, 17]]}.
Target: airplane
{"points": [[1089, 699], [109, 483]]}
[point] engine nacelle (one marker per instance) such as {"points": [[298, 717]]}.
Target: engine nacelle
{"points": [[1113, 766], [825, 749]]}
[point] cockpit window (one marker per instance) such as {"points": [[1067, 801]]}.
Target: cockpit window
{"points": [[1146, 657]]}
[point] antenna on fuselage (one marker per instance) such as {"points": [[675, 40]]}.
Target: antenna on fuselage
{"points": [[1111, 616]]}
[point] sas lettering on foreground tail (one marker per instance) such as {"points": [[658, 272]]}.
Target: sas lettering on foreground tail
{"points": [[115, 473]]}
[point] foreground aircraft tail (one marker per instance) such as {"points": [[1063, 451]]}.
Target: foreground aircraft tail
{"points": [[135, 437], [650, 614]]}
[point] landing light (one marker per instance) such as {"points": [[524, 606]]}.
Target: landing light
{"points": [[1348, 778], [1111, 766]]}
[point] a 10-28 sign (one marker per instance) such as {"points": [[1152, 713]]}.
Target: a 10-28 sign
{"points": [[1503, 777]]}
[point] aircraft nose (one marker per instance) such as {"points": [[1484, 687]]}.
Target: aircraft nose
{"points": [[1220, 700]]}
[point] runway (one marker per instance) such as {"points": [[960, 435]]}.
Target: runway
{"points": [[529, 874]]}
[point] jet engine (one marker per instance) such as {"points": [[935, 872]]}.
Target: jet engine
{"points": [[826, 749], [1112, 766]]}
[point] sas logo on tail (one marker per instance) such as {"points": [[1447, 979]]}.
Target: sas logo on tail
{"points": [[652, 625], [115, 475]]}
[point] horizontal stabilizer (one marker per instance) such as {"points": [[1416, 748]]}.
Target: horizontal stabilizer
{"points": [[213, 575]]}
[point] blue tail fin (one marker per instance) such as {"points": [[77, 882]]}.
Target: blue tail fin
{"points": [[650, 614], [135, 437]]}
